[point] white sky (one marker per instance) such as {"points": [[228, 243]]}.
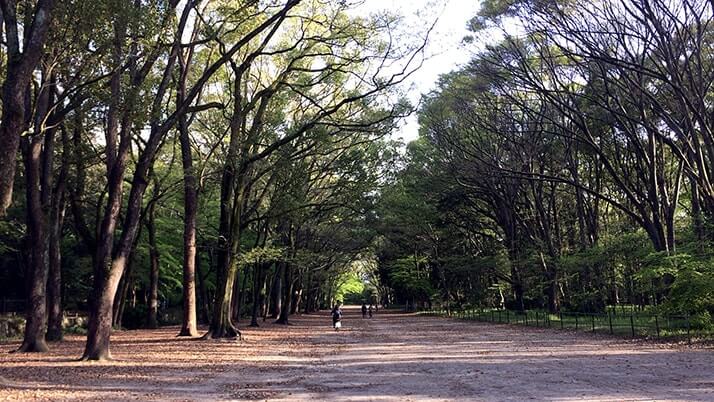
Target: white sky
{"points": [[444, 50]]}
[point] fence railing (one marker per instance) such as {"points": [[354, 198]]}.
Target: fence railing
{"points": [[634, 325]]}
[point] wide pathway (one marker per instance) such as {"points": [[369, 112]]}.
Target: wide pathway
{"points": [[390, 357]]}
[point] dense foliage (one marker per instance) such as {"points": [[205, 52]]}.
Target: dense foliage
{"points": [[191, 160], [566, 166], [185, 161]]}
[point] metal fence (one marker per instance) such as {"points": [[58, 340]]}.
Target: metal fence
{"points": [[634, 325]]}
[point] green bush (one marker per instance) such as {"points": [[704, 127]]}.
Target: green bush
{"points": [[692, 291], [701, 321]]}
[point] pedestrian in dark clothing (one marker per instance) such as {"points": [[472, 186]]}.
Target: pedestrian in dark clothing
{"points": [[364, 310], [370, 311], [337, 317]]}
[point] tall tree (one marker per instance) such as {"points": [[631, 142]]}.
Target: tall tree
{"points": [[21, 61]]}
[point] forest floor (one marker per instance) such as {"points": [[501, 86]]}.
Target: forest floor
{"points": [[390, 357]]}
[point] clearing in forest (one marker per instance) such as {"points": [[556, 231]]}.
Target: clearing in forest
{"points": [[393, 356]]}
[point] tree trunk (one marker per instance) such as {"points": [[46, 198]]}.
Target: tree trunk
{"points": [[205, 302], [265, 301], [54, 284], [36, 315], [287, 296], [277, 292], [106, 279], [697, 215], [190, 207], [99, 329], [221, 320], [221, 323], [120, 300], [551, 277], [230, 230], [296, 301], [518, 293], [241, 296], [188, 326], [109, 266], [38, 154], [125, 284], [20, 66], [258, 285], [154, 257], [108, 273]]}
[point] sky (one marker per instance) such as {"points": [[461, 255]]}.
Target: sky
{"points": [[444, 50]]}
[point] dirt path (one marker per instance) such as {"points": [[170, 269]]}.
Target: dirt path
{"points": [[390, 357]]}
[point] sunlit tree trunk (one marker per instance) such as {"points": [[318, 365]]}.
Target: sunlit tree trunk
{"points": [[277, 291]]}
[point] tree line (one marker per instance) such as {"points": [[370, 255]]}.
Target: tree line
{"points": [[567, 165], [218, 154]]}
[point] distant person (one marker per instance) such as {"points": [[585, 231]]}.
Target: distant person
{"points": [[370, 311], [364, 310], [337, 317]]}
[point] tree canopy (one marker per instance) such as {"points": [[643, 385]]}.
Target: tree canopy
{"points": [[205, 162]]}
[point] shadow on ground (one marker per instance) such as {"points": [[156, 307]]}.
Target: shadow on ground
{"points": [[393, 356]]}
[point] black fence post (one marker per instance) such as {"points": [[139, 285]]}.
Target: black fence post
{"points": [[508, 316], [526, 318], [576, 321], [560, 314], [689, 326], [609, 318]]}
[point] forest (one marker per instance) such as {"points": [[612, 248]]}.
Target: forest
{"points": [[567, 166], [216, 164]]}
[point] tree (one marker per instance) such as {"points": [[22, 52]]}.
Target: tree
{"points": [[317, 84], [21, 63]]}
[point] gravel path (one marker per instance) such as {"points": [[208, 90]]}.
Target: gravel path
{"points": [[390, 357]]}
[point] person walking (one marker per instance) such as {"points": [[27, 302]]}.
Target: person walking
{"points": [[337, 317], [364, 310], [370, 310]]}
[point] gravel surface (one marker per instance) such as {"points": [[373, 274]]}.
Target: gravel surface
{"points": [[390, 357]]}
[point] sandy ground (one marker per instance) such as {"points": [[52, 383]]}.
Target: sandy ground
{"points": [[390, 357]]}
